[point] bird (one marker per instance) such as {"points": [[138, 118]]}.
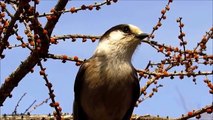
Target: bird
{"points": [[107, 85]]}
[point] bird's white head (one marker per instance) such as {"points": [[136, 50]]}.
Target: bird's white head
{"points": [[120, 41]]}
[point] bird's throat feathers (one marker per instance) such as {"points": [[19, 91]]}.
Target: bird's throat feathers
{"points": [[119, 52]]}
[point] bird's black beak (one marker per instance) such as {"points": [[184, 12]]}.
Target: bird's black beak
{"points": [[142, 36]]}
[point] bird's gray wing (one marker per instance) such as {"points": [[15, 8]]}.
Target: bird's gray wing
{"points": [[78, 112], [135, 95]]}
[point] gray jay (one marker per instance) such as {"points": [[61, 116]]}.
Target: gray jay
{"points": [[107, 86]]}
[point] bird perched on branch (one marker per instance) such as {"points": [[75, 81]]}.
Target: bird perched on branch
{"points": [[107, 85]]}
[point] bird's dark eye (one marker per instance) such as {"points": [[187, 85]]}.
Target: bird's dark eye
{"points": [[126, 29]]}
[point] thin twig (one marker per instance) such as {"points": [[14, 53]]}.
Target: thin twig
{"points": [[15, 110], [38, 105], [29, 107]]}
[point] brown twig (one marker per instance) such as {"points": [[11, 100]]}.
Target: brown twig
{"points": [[169, 74], [54, 104], [65, 58], [38, 105], [28, 31], [163, 17], [75, 10], [75, 36], [15, 110], [197, 113], [154, 90], [4, 41], [29, 107], [204, 40], [182, 34]]}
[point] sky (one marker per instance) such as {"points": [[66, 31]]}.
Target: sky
{"points": [[176, 97]]}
